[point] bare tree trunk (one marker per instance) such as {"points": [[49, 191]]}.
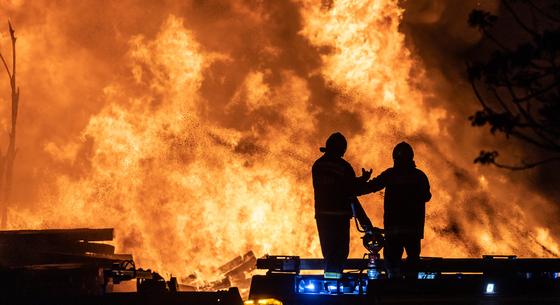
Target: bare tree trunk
{"points": [[7, 161]]}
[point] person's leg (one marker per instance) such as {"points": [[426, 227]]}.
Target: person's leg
{"points": [[334, 235], [413, 247], [342, 244], [323, 228], [322, 225], [392, 253]]}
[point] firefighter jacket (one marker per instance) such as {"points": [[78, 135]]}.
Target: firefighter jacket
{"points": [[406, 192], [335, 186]]}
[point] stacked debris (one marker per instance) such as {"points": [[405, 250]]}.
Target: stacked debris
{"points": [[57, 261], [234, 273], [59, 246], [238, 270], [67, 267]]}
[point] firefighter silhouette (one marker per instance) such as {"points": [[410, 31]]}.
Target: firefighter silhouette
{"points": [[407, 190], [335, 188]]}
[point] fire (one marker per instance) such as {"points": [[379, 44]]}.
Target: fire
{"points": [[197, 150]]}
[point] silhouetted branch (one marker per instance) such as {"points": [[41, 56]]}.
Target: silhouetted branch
{"points": [[13, 37], [506, 121], [477, 94], [484, 20], [500, 100], [532, 122], [7, 160], [5, 65], [519, 87], [536, 93], [543, 12], [518, 20], [489, 157]]}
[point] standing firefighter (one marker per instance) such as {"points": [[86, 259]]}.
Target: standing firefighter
{"points": [[406, 192], [336, 186]]}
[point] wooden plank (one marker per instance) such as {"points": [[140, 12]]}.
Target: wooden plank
{"points": [[236, 262], [249, 265], [217, 285], [32, 247], [96, 248], [104, 234], [64, 258], [92, 257], [42, 246], [66, 266]]}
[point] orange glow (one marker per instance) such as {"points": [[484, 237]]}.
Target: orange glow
{"points": [[195, 139]]}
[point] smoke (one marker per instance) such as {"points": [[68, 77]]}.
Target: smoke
{"points": [[191, 126], [441, 37]]}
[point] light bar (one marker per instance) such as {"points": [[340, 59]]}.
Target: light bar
{"points": [[427, 275], [319, 285], [490, 288]]}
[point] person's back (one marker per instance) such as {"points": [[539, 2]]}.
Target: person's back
{"points": [[330, 178], [407, 190], [406, 193]]}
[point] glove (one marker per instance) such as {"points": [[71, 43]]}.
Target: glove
{"points": [[366, 174]]}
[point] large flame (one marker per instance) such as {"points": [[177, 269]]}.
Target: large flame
{"points": [[192, 128]]}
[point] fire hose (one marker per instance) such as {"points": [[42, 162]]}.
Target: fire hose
{"points": [[373, 238]]}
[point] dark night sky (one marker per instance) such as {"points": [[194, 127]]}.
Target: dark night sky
{"points": [[446, 44]]}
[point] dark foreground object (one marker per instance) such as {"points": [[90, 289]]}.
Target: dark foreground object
{"points": [[73, 267], [489, 280], [226, 297], [84, 284]]}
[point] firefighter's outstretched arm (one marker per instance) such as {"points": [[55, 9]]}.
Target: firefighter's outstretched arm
{"points": [[366, 174], [358, 186], [377, 183]]}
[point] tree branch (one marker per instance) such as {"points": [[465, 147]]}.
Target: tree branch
{"points": [[524, 165], [522, 85], [501, 101], [536, 93], [518, 20], [529, 118], [477, 94], [496, 41], [6, 177], [543, 12], [5, 65], [13, 37], [528, 139]]}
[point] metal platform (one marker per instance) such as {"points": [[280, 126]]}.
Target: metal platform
{"points": [[487, 280]]}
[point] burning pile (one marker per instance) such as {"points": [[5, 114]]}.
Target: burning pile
{"points": [[192, 127]]}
